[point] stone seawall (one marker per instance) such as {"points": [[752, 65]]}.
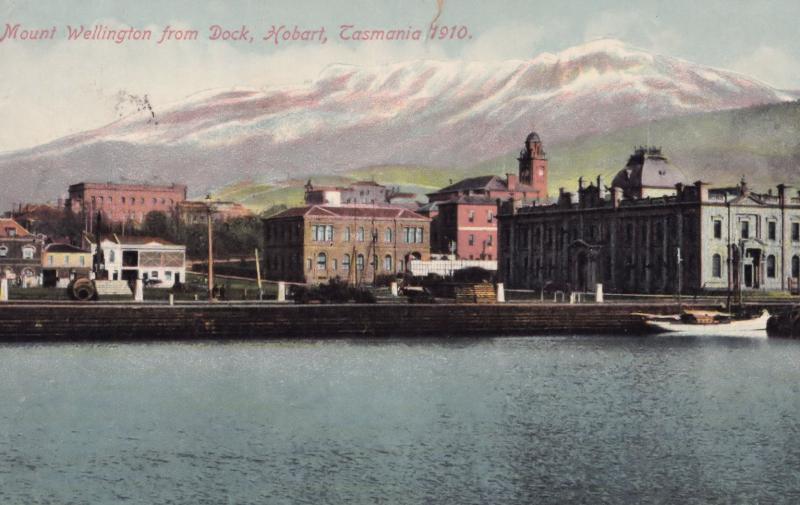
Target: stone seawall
{"points": [[99, 322]]}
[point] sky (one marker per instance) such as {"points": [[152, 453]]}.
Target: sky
{"points": [[53, 88]]}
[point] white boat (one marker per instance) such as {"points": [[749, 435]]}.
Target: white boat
{"points": [[720, 327]]}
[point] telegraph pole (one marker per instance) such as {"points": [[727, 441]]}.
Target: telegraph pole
{"points": [[210, 250], [679, 261]]}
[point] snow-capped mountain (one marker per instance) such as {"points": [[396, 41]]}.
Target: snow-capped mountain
{"points": [[435, 113]]}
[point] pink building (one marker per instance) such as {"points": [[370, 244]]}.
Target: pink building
{"points": [[121, 203]]}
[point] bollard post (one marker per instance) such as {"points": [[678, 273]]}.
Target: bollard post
{"points": [[394, 288], [171, 299], [598, 293], [281, 291], [138, 295], [3, 290], [572, 298], [501, 293]]}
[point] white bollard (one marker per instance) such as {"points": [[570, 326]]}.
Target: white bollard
{"points": [[138, 295], [572, 298], [501, 293], [598, 293], [171, 299], [281, 291], [3, 290], [394, 289]]}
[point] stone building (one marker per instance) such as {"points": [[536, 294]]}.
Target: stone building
{"points": [[20, 254], [123, 203], [694, 239], [196, 212], [462, 213], [355, 243]]}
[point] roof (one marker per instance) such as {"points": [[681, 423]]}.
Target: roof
{"points": [[10, 223], [483, 182], [533, 137], [367, 183], [647, 167], [137, 240], [351, 211], [471, 200], [64, 248]]}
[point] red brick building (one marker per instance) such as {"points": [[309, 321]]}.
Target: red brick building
{"points": [[354, 243], [463, 213], [123, 203], [196, 212]]}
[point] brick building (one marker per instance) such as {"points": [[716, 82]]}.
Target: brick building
{"points": [[123, 203], [20, 254], [696, 238], [355, 243], [462, 213]]}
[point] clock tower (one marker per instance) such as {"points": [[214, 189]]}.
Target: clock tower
{"points": [[533, 165]]}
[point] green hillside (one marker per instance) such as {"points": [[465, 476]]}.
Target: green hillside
{"points": [[761, 143]]}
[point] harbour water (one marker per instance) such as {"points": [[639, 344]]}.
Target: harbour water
{"points": [[506, 420]]}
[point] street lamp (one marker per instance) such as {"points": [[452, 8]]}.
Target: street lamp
{"points": [[210, 211]]}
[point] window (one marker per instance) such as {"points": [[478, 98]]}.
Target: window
{"points": [[374, 262], [308, 263], [168, 275], [50, 260], [490, 241], [82, 260], [419, 235], [716, 266], [346, 262], [471, 239], [335, 264], [745, 227], [66, 259], [360, 262], [471, 216], [717, 228], [11, 232], [322, 261], [795, 232], [409, 235], [771, 266], [795, 267], [346, 237], [3, 250], [123, 199], [489, 216], [387, 235], [111, 256], [27, 252], [360, 234], [154, 274], [772, 230], [387, 263]]}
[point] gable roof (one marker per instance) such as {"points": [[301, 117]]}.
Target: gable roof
{"points": [[351, 212], [483, 182], [64, 248], [137, 240], [6, 224]]}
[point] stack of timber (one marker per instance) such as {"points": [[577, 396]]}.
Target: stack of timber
{"points": [[476, 293]]}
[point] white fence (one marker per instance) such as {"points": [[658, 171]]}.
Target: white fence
{"points": [[445, 268]]}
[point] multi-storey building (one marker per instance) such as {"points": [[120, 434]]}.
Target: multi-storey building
{"points": [[693, 239], [123, 203], [462, 213], [156, 261], [363, 192], [20, 254], [62, 263], [355, 243]]}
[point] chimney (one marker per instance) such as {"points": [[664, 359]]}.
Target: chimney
{"points": [[616, 196], [783, 195], [702, 191], [601, 188], [580, 183], [512, 180]]}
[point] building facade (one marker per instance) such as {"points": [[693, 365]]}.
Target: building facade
{"points": [[359, 192], [62, 263], [123, 203], [695, 239], [156, 261], [20, 255], [466, 227], [355, 243]]}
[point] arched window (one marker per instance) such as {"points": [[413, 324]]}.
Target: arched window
{"points": [[388, 235], [771, 266], [347, 234], [112, 258], [795, 266], [360, 262], [346, 262], [3, 250], [716, 265], [387, 263], [28, 252], [322, 261], [360, 234]]}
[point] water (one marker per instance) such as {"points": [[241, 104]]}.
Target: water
{"points": [[540, 420]]}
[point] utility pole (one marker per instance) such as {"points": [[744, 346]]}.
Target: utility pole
{"points": [[210, 250], [679, 261]]}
